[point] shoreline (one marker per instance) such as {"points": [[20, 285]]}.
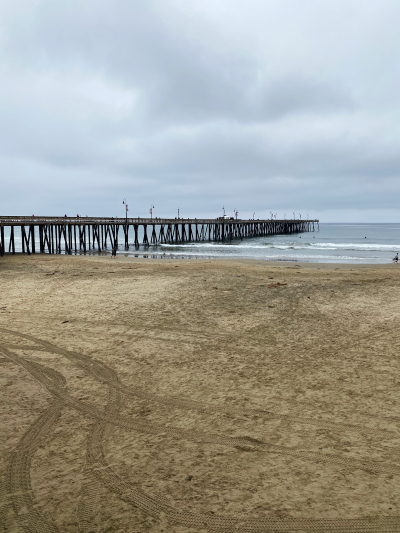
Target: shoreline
{"points": [[103, 256], [168, 258]]}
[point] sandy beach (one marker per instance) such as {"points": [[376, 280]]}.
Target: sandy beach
{"points": [[198, 396]]}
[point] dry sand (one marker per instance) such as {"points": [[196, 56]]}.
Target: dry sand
{"points": [[198, 396]]}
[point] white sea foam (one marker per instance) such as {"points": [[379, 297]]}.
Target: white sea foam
{"points": [[287, 246], [353, 246]]}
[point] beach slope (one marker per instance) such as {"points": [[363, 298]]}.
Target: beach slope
{"points": [[196, 396]]}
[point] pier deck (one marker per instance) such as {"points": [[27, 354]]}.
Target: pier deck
{"points": [[83, 234]]}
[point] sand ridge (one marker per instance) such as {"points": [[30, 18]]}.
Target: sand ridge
{"points": [[198, 396]]}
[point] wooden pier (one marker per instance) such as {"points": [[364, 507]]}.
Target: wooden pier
{"points": [[69, 235]]}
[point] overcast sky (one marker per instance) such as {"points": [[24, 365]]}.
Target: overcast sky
{"points": [[279, 105]]}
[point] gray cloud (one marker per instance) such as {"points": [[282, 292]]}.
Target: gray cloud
{"points": [[276, 105]]}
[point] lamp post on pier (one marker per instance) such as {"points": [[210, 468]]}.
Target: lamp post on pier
{"points": [[126, 222], [151, 211], [126, 210]]}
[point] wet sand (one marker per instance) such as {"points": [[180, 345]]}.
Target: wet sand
{"points": [[196, 396]]}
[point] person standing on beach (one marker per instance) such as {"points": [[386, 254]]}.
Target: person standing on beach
{"points": [[114, 252], [396, 257]]}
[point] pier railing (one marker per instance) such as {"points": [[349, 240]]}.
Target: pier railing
{"points": [[82, 234]]}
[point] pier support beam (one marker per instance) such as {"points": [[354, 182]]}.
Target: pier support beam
{"points": [[2, 243]]}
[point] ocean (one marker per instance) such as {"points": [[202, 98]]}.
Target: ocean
{"points": [[333, 243]]}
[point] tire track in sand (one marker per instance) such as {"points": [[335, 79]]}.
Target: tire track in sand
{"points": [[159, 507], [97, 370], [18, 483], [242, 443], [87, 507], [156, 504]]}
